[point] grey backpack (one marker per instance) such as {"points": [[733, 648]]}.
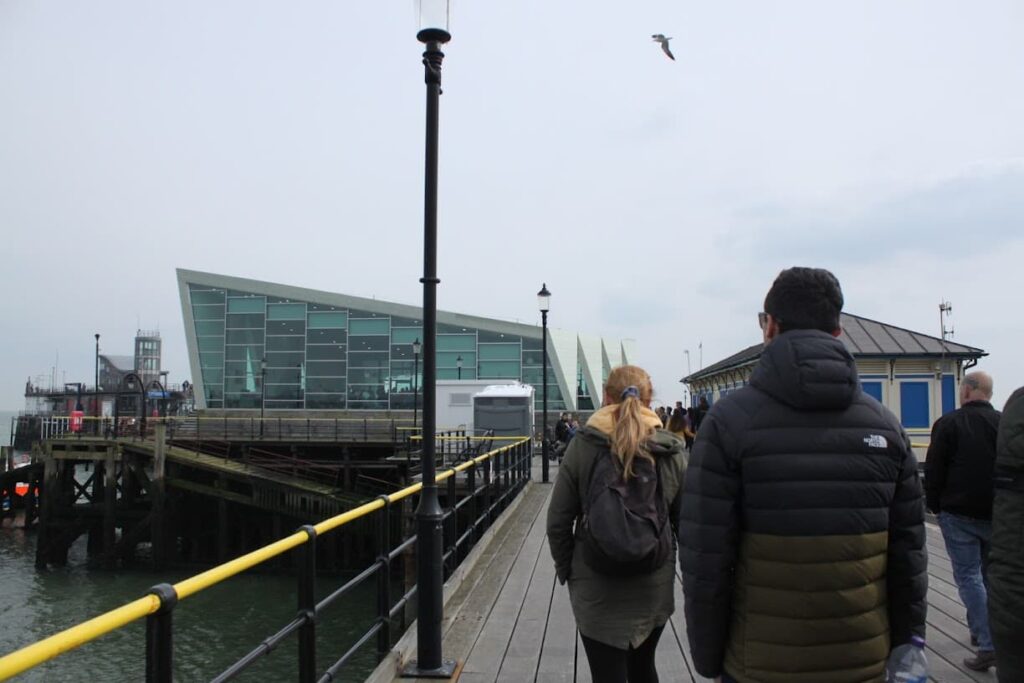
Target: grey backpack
{"points": [[625, 528]]}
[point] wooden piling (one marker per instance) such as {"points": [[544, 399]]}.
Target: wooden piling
{"points": [[46, 531], [109, 506], [158, 490]]}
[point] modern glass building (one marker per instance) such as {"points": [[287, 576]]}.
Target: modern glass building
{"points": [[326, 351]]}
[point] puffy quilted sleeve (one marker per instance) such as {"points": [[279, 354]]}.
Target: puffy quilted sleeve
{"points": [[708, 537], [563, 510], [907, 571]]}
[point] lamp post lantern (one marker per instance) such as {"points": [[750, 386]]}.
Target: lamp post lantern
{"points": [[544, 303], [415, 380], [458, 365], [263, 391], [433, 33]]}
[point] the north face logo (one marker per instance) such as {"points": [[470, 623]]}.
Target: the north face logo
{"points": [[876, 441]]}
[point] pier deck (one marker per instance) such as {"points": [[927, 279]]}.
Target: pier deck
{"points": [[511, 622]]}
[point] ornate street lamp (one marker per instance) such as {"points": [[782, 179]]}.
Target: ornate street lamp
{"points": [[433, 32], [458, 365], [544, 303], [415, 380]]}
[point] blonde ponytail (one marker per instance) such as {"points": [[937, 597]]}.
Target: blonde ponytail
{"points": [[630, 433]]}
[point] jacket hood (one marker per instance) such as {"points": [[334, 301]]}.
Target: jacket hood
{"points": [[808, 370], [599, 428]]}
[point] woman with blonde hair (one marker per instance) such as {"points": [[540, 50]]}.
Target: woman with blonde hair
{"points": [[679, 425], [620, 609]]}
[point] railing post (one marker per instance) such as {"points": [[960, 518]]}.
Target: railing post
{"points": [[452, 527], [384, 578], [507, 457], [487, 489], [160, 636], [307, 606], [471, 484]]}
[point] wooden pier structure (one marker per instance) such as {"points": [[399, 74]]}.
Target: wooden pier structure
{"points": [[509, 620], [189, 493]]}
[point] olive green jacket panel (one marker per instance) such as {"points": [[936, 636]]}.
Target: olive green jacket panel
{"points": [[617, 611]]}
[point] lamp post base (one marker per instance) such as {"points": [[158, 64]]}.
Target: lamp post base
{"points": [[446, 670]]}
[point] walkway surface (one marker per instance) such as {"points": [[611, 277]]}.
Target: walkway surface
{"points": [[511, 622]]}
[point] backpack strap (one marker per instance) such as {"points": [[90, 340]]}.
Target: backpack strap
{"points": [[585, 498]]}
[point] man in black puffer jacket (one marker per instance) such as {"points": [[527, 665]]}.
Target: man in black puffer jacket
{"points": [[802, 537], [1006, 568]]}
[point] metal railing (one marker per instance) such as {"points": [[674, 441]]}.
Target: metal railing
{"points": [[224, 428], [503, 473]]}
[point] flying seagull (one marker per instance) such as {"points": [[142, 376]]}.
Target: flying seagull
{"points": [[660, 38]]}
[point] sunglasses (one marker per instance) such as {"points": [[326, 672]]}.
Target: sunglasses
{"points": [[762, 320]]}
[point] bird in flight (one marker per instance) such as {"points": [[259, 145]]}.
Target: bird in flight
{"points": [[660, 38]]}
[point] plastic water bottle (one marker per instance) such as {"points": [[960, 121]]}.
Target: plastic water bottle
{"points": [[907, 663]]}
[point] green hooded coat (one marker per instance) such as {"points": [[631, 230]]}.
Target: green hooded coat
{"points": [[617, 611]]}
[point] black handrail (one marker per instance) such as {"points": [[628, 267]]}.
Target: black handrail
{"points": [[511, 473]]}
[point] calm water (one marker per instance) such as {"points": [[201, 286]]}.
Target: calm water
{"points": [[212, 629]]}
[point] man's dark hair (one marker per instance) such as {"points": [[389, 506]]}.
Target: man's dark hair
{"points": [[805, 299]]}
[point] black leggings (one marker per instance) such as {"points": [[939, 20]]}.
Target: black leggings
{"points": [[611, 665]]}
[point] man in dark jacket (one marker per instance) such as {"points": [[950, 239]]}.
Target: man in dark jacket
{"points": [[959, 488], [1006, 560], [802, 537]]}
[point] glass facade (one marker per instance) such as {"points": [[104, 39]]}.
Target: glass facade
{"points": [[326, 357]]}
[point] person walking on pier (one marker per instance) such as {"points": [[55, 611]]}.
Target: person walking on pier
{"points": [[802, 528], [620, 609], [1006, 559], [959, 486]]}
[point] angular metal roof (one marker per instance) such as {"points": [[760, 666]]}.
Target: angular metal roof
{"points": [[865, 338]]}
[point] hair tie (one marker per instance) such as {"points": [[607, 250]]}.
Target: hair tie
{"points": [[630, 391]]}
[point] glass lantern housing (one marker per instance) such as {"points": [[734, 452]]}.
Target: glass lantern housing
{"points": [[544, 299], [433, 17]]}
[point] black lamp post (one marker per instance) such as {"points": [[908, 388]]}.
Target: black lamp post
{"points": [[415, 380], [96, 386], [458, 365], [263, 391], [433, 16], [544, 303]]}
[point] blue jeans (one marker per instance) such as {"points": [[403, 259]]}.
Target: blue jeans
{"points": [[967, 542]]}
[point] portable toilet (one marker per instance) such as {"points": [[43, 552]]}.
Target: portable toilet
{"points": [[505, 409]]}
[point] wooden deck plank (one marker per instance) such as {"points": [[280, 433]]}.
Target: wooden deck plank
{"points": [[489, 650], [668, 658], [523, 655], [558, 661], [470, 608], [679, 625]]}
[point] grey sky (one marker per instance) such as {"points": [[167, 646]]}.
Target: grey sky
{"points": [[657, 199]]}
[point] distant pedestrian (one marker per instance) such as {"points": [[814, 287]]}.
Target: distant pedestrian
{"points": [[959, 484], [620, 618], [700, 412], [802, 538], [680, 426], [1006, 560]]}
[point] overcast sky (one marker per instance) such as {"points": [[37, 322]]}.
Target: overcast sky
{"points": [[283, 141]]}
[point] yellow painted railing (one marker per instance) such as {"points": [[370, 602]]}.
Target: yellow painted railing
{"points": [[32, 655]]}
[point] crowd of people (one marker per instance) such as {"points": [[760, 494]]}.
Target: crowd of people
{"points": [[795, 509]]}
